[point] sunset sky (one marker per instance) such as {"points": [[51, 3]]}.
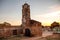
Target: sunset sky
{"points": [[44, 11]]}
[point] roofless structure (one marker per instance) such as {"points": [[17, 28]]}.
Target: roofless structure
{"points": [[30, 27]]}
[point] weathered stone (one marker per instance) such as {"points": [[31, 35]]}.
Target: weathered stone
{"points": [[35, 27]]}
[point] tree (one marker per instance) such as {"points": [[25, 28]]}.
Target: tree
{"points": [[6, 24], [54, 24]]}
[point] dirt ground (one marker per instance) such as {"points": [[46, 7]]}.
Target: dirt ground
{"points": [[51, 37], [46, 36]]}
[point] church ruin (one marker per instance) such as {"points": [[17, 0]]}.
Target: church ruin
{"points": [[30, 27]]}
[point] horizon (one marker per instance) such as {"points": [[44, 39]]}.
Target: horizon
{"points": [[44, 11]]}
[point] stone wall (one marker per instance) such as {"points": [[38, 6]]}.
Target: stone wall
{"points": [[7, 32]]}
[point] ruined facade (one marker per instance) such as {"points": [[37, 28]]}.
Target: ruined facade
{"points": [[8, 30], [30, 27]]}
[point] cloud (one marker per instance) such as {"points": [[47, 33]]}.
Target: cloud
{"points": [[48, 17], [54, 8]]}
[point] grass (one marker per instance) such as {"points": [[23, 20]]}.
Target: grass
{"points": [[53, 38], [2, 38], [11, 38]]}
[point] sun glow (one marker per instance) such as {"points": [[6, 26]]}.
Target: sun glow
{"points": [[51, 17], [48, 18]]}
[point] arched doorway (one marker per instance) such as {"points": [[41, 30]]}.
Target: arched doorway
{"points": [[27, 32]]}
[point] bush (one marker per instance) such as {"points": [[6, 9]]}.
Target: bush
{"points": [[2, 38]]}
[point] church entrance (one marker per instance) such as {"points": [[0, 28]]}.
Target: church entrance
{"points": [[27, 32]]}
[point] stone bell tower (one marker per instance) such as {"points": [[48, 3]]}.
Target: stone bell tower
{"points": [[25, 15]]}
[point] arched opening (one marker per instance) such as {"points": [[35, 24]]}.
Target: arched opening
{"points": [[27, 32]]}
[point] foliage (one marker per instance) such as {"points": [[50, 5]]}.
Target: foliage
{"points": [[2, 38], [56, 30], [53, 38]]}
